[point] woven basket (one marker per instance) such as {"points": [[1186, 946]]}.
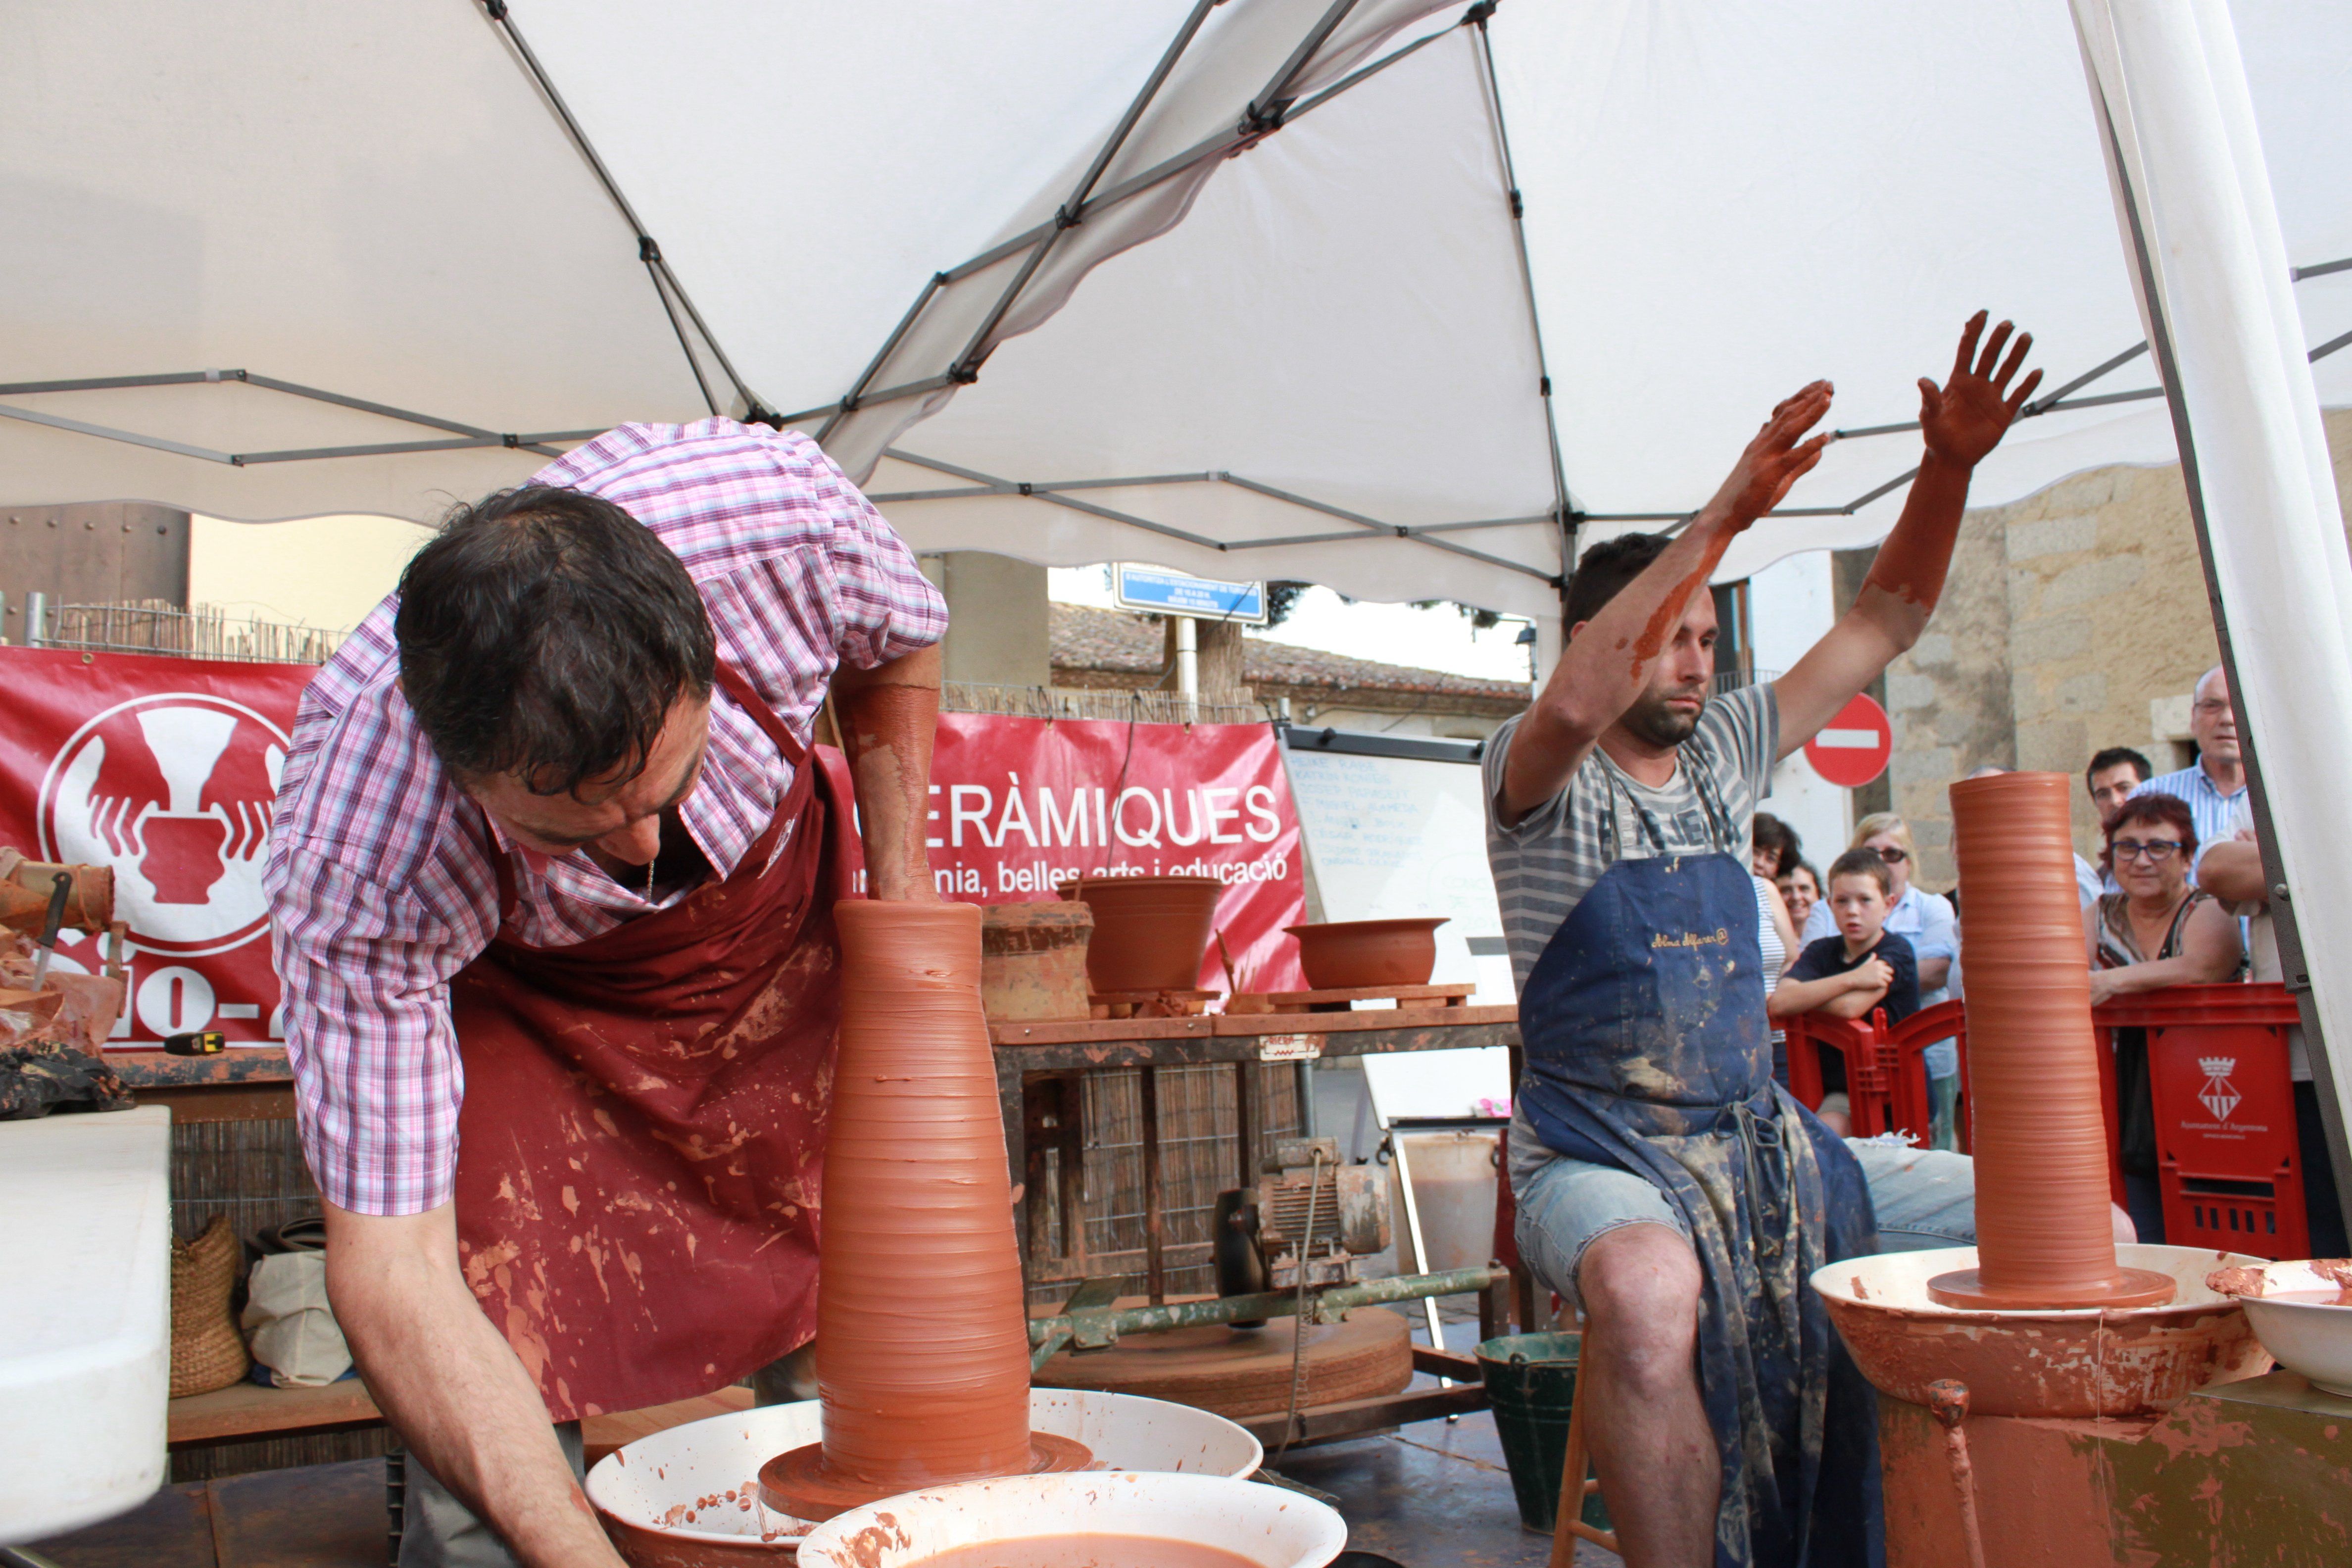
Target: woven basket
{"points": [[207, 1353]]}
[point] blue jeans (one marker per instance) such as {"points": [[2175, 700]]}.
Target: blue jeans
{"points": [[1924, 1199]]}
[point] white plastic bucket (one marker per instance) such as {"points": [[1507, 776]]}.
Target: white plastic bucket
{"points": [[1270, 1527]]}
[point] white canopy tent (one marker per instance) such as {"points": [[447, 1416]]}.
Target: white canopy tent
{"points": [[1290, 333]]}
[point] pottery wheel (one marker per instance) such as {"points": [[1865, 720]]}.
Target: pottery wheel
{"points": [[796, 1481], [1235, 1373]]}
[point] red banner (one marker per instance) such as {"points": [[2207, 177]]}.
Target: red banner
{"points": [[1019, 805], [165, 769]]}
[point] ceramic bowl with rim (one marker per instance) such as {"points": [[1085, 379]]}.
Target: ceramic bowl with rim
{"points": [[1265, 1526], [2312, 1337], [1348, 955]]}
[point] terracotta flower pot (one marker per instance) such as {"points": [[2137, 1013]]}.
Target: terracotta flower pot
{"points": [[1149, 932], [1033, 959], [1348, 954]]}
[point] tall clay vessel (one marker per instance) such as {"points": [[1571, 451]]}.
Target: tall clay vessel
{"points": [[922, 1357], [2044, 1237]]}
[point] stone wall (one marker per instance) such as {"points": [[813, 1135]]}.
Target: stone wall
{"points": [[2074, 619]]}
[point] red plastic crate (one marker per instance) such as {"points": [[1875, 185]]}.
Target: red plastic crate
{"points": [[2228, 1164]]}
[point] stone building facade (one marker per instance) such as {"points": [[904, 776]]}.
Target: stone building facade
{"points": [[2074, 619]]}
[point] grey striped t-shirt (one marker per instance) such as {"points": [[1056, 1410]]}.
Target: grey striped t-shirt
{"points": [[1547, 862]]}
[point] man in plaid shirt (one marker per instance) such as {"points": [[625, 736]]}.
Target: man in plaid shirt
{"points": [[551, 830]]}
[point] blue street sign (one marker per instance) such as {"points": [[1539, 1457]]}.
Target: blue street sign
{"points": [[1171, 593]]}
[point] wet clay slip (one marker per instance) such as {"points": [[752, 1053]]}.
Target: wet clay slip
{"points": [[2044, 1237], [1352, 954], [922, 1356], [1149, 932]]}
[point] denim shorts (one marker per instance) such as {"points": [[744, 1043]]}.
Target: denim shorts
{"points": [[1924, 1199]]}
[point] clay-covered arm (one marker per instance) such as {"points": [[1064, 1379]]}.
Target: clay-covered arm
{"points": [[888, 715], [451, 1386], [1606, 664], [1962, 421]]}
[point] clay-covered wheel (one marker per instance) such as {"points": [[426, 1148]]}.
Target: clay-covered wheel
{"points": [[1246, 1371]]}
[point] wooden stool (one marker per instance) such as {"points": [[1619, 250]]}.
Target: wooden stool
{"points": [[1576, 1483]]}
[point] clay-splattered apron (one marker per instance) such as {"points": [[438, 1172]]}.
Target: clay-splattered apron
{"points": [[642, 1140], [1647, 1048]]}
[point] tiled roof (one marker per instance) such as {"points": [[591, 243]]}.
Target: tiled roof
{"points": [[1116, 642]]}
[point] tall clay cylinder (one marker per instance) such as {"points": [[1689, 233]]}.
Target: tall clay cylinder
{"points": [[922, 1356], [2043, 1232]]}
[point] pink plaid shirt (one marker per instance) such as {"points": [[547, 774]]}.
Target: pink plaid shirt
{"points": [[381, 876]]}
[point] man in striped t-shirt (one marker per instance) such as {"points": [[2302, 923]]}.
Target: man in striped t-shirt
{"points": [[1666, 1185]]}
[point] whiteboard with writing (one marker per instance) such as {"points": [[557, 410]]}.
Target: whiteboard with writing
{"points": [[1393, 836]]}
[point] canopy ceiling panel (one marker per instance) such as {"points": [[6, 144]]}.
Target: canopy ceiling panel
{"points": [[1068, 244], [1727, 201]]}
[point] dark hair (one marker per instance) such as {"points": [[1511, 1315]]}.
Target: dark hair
{"points": [[1862, 863], [545, 633], [1602, 572], [2157, 811], [1807, 867], [2114, 755], [1770, 832]]}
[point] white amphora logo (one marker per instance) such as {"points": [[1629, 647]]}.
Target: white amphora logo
{"points": [[2220, 1095], [174, 791]]}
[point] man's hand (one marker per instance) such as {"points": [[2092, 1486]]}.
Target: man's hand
{"points": [[1967, 417], [452, 1386], [1774, 461]]}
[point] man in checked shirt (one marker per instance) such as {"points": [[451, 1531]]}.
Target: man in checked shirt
{"points": [[549, 882]]}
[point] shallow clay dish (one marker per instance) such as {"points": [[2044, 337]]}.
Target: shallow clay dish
{"points": [[1149, 932], [1268, 1527], [1347, 956], [2313, 1337]]}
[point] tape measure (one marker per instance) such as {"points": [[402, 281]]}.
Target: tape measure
{"points": [[196, 1043]]}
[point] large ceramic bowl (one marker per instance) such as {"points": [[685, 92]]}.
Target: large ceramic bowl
{"points": [[2083, 1364], [1347, 956], [687, 1498], [1268, 1527], [1149, 932], [2313, 1337]]}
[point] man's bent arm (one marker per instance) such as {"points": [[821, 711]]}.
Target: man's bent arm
{"points": [[451, 1385], [888, 715], [1962, 421], [2231, 870], [1606, 665]]}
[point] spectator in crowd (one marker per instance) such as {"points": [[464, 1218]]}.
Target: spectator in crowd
{"points": [[1772, 848], [1926, 920], [1864, 966], [2231, 870], [2112, 776], [1801, 890], [2157, 931], [1778, 937], [2216, 781]]}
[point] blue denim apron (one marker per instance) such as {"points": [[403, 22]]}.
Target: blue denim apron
{"points": [[1647, 1048]]}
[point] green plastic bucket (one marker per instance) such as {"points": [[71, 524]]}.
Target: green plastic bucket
{"points": [[1531, 1388]]}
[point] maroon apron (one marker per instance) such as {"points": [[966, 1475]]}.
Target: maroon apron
{"points": [[641, 1145]]}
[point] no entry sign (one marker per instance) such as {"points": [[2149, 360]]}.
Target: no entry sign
{"points": [[1852, 749]]}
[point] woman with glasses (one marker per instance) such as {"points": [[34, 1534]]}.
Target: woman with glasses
{"points": [[1926, 920], [2157, 931]]}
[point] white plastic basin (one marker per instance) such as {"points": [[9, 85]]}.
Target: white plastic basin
{"points": [[1271, 1527], [2313, 1338], [86, 1299]]}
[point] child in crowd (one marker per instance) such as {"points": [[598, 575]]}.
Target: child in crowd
{"points": [[1862, 968]]}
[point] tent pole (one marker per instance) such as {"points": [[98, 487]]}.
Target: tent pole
{"points": [[2216, 321]]}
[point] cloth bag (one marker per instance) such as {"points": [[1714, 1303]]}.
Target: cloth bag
{"points": [[292, 1330]]}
